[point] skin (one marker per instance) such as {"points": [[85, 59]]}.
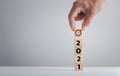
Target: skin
{"points": [[84, 10]]}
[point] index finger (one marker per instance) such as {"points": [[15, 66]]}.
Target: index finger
{"points": [[72, 15]]}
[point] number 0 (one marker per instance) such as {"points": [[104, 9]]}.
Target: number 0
{"points": [[78, 50]]}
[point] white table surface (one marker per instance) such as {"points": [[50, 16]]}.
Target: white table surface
{"points": [[58, 71]]}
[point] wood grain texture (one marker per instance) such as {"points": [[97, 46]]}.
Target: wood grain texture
{"points": [[78, 58]]}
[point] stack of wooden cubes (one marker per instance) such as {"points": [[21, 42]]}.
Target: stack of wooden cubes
{"points": [[78, 58]]}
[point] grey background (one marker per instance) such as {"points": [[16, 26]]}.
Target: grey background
{"points": [[37, 33]]}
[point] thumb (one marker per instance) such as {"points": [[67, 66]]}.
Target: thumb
{"points": [[87, 21]]}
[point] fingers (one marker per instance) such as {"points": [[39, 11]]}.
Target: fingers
{"points": [[80, 16], [94, 8], [73, 13], [89, 8], [87, 20]]}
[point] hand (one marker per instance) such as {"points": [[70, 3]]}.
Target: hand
{"points": [[84, 10]]}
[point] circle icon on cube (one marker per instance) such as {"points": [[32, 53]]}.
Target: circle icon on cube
{"points": [[78, 32]]}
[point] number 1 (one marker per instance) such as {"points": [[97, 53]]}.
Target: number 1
{"points": [[78, 66]]}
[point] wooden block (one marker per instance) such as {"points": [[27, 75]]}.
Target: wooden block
{"points": [[78, 33], [77, 42], [77, 51], [78, 66], [78, 59]]}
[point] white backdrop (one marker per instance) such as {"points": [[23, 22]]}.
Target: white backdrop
{"points": [[37, 33]]}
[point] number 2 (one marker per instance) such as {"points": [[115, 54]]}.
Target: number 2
{"points": [[78, 58], [78, 43]]}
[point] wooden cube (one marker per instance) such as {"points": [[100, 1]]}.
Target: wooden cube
{"points": [[78, 58], [77, 51], [77, 42], [78, 66], [78, 33]]}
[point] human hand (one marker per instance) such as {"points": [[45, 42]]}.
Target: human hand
{"points": [[84, 10]]}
